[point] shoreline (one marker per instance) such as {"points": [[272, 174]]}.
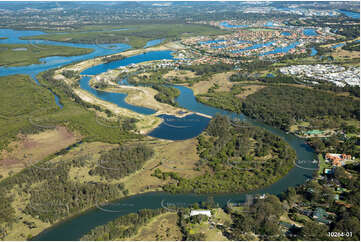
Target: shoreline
{"points": [[79, 213]]}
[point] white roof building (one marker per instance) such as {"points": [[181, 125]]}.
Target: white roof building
{"points": [[201, 212]]}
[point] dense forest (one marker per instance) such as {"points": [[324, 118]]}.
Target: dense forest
{"points": [[122, 227], [50, 193], [234, 158], [208, 69], [262, 219], [283, 106], [166, 94], [122, 161], [334, 144]]}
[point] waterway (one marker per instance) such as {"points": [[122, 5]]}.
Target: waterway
{"points": [[310, 32], [338, 45], [355, 15], [227, 25], [313, 51], [172, 128]]}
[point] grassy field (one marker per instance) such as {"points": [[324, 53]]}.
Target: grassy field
{"points": [[134, 35], [21, 99], [27, 54], [27, 108]]}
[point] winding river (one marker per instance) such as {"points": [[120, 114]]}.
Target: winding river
{"points": [[172, 128]]}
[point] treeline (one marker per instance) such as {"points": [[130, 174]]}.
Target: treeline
{"points": [[352, 46], [319, 194], [261, 219], [53, 195], [71, 74], [122, 161], [208, 69], [349, 31], [336, 144], [7, 213], [243, 77], [352, 90], [234, 158], [282, 106], [166, 94], [123, 226], [108, 59]]}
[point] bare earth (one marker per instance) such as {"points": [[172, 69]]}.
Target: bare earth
{"points": [[35, 147], [221, 79]]}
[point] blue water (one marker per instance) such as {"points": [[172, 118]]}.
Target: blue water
{"points": [[56, 98], [269, 24], [74, 228], [350, 14], [153, 43], [338, 45], [313, 52], [270, 75], [309, 32], [116, 98], [286, 33], [54, 61], [119, 98], [174, 128], [281, 49], [253, 47], [227, 25], [189, 126], [153, 55]]}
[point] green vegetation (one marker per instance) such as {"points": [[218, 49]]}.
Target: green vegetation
{"points": [[234, 159], [122, 161], [76, 116], [21, 55], [336, 144], [55, 196], [282, 106], [261, 218], [337, 199], [21, 99], [352, 46], [122, 227], [166, 94], [134, 35], [30, 108]]}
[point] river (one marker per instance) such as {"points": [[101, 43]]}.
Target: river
{"points": [[173, 128]]}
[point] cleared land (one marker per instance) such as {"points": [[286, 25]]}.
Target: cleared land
{"points": [[220, 79], [22, 55], [180, 74], [177, 156], [29, 149], [162, 227]]}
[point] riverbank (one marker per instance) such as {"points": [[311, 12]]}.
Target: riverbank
{"points": [[171, 166], [27, 54]]}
